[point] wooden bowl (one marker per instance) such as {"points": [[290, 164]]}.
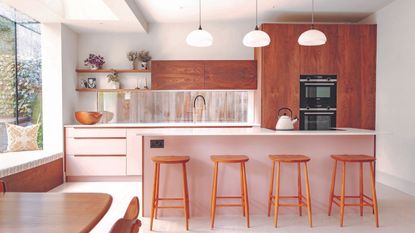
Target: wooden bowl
{"points": [[88, 118]]}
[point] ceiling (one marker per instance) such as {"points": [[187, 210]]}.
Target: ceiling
{"points": [[167, 11], [86, 16]]}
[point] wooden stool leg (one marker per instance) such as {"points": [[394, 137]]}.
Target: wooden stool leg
{"points": [[343, 195], [185, 196], [153, 196], [333, 183], [214, 190], [156, 207], [307, 187], [361, 189], [374, 198], [300, 195], [246, 195], [242, 192], [271, 187], [277, 195]]}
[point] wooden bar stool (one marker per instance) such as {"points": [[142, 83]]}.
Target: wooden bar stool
{"points": [[241, 159], [363, 202], [168, 160], [301, 199]]}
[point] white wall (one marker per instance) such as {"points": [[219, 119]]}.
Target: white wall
{"points": [[51, 42], [395, 112], [69, 81]]}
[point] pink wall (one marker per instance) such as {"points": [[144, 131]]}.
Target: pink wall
{"points": [[200, 169]]}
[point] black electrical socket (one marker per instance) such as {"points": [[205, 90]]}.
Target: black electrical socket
{"points": [[157, 143]]}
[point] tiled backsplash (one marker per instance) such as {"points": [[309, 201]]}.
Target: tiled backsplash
{"points": [[176, 106]]}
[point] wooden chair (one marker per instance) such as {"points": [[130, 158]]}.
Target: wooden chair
{"points": [[169, 160], [302, 201], [363, 199], [2, 186], [126, 226], [133, 209], [241, 159]]}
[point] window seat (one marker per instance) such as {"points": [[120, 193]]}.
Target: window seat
{"points": [[31, 171]]}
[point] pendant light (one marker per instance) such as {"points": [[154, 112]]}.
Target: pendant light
{"points": [[199, 37], [312, 37], [256, 38]]}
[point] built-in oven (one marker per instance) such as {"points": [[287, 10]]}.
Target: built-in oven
{"points": [[317, 119], [318, 91]]}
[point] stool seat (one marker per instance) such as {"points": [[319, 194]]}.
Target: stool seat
{"points": [[229, 158], [289, 158], [170, 159], [353, 158]]}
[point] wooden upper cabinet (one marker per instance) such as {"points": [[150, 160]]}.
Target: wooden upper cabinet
{"points": [[320, 59], [177, 75], [230, 75], [199, 74]]}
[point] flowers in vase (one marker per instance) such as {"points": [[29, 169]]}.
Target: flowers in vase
{"points": [[94, 61]]}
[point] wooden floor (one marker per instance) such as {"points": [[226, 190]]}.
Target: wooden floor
{"points": [[396, 214]]}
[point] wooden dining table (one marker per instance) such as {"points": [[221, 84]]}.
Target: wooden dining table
{"points": [[52, 212]]}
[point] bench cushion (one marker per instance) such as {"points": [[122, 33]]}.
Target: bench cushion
{"points": [[15, 162]]}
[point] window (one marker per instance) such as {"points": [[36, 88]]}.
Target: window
{"points": [[20, 72]]}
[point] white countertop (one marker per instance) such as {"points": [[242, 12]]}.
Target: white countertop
{"points": [[255, 131], [164, 125]]}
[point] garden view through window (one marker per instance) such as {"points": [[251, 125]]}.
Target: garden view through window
{"points": [[20, 72]]}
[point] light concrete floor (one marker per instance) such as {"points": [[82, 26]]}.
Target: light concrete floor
{"points": [[397, 214]]}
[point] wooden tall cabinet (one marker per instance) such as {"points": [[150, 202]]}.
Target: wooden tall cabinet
{"points": [[350, 53]]}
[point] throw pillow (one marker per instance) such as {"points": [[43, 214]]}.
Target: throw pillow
{"points": [[22, 138]]}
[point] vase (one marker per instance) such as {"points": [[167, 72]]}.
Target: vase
{"points": [[114, 85], [143, 65], [135, 64], [93, 67]]}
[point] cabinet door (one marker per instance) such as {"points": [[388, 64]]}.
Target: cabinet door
{"points": [[230, 75], [280, 73], [134, 153], [177, 75], [320, 59]]}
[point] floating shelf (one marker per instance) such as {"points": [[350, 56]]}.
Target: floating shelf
{"points": [[111, 90], [111, 70]]}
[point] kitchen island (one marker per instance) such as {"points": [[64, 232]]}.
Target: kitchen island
{"points": [[257, 143]]}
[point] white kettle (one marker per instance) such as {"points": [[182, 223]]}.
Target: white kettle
{"points": [[285, 122]]}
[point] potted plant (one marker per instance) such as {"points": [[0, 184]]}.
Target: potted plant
{"points": [[144, 57], [133, 57], [113, 80], [94, 62]]}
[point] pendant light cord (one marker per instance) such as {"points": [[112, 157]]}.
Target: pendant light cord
{"points": [[312, 14], [256, 15], [200, 14]]}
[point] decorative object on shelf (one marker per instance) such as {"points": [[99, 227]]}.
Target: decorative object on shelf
{"points": [[92, 83], [199, 37], [145, 84], [88, 118], [144, 57], [312, 37], [83, 83], [114, 80], [256, 38], [94, 62], [133, 57]]}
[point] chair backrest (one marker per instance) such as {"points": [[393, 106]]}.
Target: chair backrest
{"points": [[133, 209], [123, 225], [2, 186]]}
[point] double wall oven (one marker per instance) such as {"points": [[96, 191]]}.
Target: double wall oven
{"points": [[318, 102]]}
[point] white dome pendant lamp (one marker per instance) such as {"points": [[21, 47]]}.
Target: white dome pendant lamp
{"points": [[199, 37], [312, 37], [256, 38]]}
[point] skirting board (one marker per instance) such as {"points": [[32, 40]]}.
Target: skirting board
{"points": [[396, 182], [101, 178]]}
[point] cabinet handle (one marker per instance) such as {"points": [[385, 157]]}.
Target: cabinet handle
{"points": [[91, 155], [100, 138]]}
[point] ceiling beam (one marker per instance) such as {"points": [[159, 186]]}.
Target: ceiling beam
{"points": [[138, 14]]}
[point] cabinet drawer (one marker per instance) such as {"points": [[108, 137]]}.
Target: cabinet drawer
{"points": [[95, 165], [80, 146], [95, 133]]}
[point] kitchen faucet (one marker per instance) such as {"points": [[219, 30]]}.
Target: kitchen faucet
{"points": [[199, 115], [194, 101]]}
